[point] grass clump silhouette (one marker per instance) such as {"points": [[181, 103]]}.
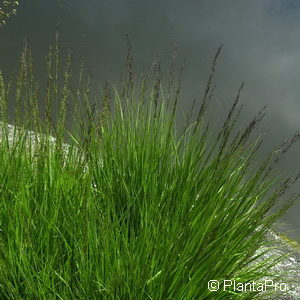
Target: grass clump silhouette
{"points": [[132, 209]]}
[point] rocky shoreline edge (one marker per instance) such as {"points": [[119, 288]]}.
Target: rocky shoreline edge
{"points": [[288, 269]]}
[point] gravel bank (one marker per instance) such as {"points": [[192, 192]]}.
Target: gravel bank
{"points": [[288, 269]]}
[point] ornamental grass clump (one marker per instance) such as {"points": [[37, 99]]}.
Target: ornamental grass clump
{"points": [[133, 208]]}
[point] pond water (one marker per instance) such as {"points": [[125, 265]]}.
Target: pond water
{"points": [[259, 47]]}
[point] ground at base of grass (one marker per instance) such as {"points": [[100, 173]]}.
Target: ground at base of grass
{"points": [[289, 266]]}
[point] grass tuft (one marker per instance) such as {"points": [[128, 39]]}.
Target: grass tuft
{"points": [[131, 208]]}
